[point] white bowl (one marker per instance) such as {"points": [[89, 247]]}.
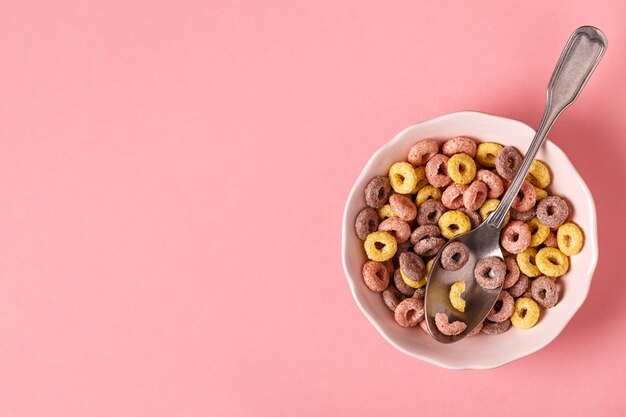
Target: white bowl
{"points": [[481, 351]]}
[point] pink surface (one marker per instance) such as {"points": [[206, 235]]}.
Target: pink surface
{"points": [[172, 179]]}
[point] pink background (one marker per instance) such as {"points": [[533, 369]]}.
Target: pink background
{"points": [[172, 179]]}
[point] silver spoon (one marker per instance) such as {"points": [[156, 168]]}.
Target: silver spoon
{"points": [[581, 55]]}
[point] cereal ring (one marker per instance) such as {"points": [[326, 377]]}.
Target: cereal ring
{"points": [[527, 294], [397, 227], [487, 153], [525, 198], [409, 312], [385, 212], [526, 313], [453, 223], [569, 238], [456, 300], [552, 262], [538, 174], [552, 211], [454, 256], [411, 283], [380, 246], [402, 177], [522, 216], [377, 192], [490, 272], [429, 212], [420, 173], [420, 293], [375, 275], [512, 273], [452, 196], [515, 237], [493, 181], [461, 168], [508, 162], [475, 195], [540, 192], [422, 151], [392, 297], [488, 207], [366, 222], [503, 309], [459, 144], [429, 266], [401, 285], [426, 240], [389, 266], [527, 263], [473, 216], [551, 241], [544, 292], [403, 207], [412, 266], [447, 328], [476, 330], [538, 232], [437, 171], [492, 328], [427, 192], [520, 286], [424, 327]]}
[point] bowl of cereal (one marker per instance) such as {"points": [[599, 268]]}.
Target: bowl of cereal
{"points": [[399, 213]]}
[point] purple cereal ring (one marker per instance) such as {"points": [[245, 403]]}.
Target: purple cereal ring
{"points": [[475, 195], [493, 181], [543, 290], [490, 272], [420, 293], [454, 256], [512, 273], [392, 297], [427, 240], [375, 275], [508, 162], [412, 266], [515, 237], [503, 309], [422, 151], [523, 216], [377, 192], [366, 222], [492, 328], [452, 197], [459, 144], [437, 171], [551, 241], [520, 286], [403, 207], [552, 211], [526, 198], [429, 212], [401, 285], [473, 216], [447, 328], [476, 330], [409, 312], [397, 227]]}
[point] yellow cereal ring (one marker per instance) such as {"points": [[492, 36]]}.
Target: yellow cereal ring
{"points": [[552, 262], [455, 296], [540, 193], [454, 222], [380, 246], [538, 174], [488, 207], [386, 212], [412, 283], [429, 266], [526, 313], [527, 262], [539, 232], [402, 177], [426, 192], [461, 168], [420, 172], [569, 238], [487, 152]]}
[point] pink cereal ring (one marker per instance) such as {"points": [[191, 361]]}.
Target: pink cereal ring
{"points": [[375, 275], [437, 171], [403, 207], [447, 328], [422, 151], [515, 237], [526, 198], [512, 273], [459, 144], [551, 240], [476, 330], [493, 182], [409, 312], [452, 197], [397, 227], [475, 195], [503, 309]]}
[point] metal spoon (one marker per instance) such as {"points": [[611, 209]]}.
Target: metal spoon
{"points": [[581, 55]]}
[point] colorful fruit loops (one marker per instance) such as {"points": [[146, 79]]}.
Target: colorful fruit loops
{"points": [[443, 189]]}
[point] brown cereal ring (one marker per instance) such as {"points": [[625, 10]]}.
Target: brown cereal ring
{"points": [[375, 275], [429, 212], [454, 256], [412, 266], [493, 181], [475, 195], [515, 237], [401, 285], [522, 216], [552, 211], [459, 144], [420, 293], [551, 241], [409, 312], [520, 286], [403, 207], [503, 309], [476, 330], [422, 151], [473, 216], [490, 272], [452, 196], [447, 328], [525, 198], [377, 192], [544, 292], [427, 240], [390, 267], [397, 227], [437, 171], [512, 273], [392, 297], [486, 154], [366, 222], [508, 162], [492, 328]]}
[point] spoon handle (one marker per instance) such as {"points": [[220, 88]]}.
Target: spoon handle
{"points": [[581, 55]]}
